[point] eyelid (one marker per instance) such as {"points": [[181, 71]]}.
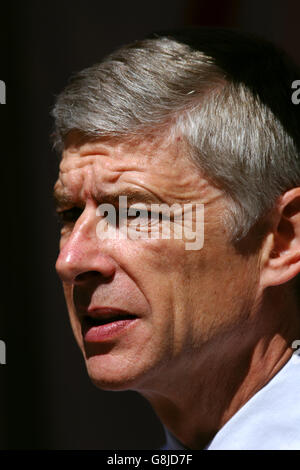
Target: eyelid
{"points": [[135, 209], [69, 215], [147, 212]]}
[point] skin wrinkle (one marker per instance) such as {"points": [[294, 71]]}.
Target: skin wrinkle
{"points": [[203, 330], [114, 172]]}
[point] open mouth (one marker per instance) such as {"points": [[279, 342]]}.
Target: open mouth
{"points": [[101, 328], [91, 321]]}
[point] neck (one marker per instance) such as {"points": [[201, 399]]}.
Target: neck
{"points": [[199, 400]]}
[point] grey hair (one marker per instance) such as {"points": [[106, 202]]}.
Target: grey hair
{"points": [[162, 85]]}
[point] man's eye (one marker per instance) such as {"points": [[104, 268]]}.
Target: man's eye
{"points": [[148, 215], [141, 213], [70, 215]]}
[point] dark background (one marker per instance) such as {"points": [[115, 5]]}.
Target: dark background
{"points": [[46, 398]]}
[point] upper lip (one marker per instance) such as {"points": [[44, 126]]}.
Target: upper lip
{"points": [[102, 312]]}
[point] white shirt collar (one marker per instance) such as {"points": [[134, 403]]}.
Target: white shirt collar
{"points": [[270, 420]]}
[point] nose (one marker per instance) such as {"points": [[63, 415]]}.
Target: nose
{"points": [[82, 257]]}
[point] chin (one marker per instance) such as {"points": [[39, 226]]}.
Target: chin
{"points": [[113, 374]]}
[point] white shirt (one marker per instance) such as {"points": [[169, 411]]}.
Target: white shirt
{"points": [[270, 420]]}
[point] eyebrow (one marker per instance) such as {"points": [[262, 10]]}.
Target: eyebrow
{"points": [[62, 199]]}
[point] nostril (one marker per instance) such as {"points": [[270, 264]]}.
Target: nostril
{"points": [[87, 276], [90, 276]]}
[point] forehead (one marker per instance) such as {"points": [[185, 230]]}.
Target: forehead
{"points": [[147, 152], [103, 166]]}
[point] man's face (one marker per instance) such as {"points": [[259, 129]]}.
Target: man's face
{"points": [[179, 301]]}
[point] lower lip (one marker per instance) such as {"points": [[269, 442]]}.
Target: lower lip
{"points": [[97, 334]]}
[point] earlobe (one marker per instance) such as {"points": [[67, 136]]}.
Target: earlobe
{"points": [[280, 258]]}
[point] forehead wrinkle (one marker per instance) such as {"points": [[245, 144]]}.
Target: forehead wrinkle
{"points": [[62, 197], [111, 162], [71, 184], [80, 185], [171, 179]]}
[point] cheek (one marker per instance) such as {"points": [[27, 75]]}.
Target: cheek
{"points": [[162, 256], [75, 324], [162, 270]]}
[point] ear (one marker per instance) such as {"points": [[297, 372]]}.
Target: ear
{"points": [[280, 255]]}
